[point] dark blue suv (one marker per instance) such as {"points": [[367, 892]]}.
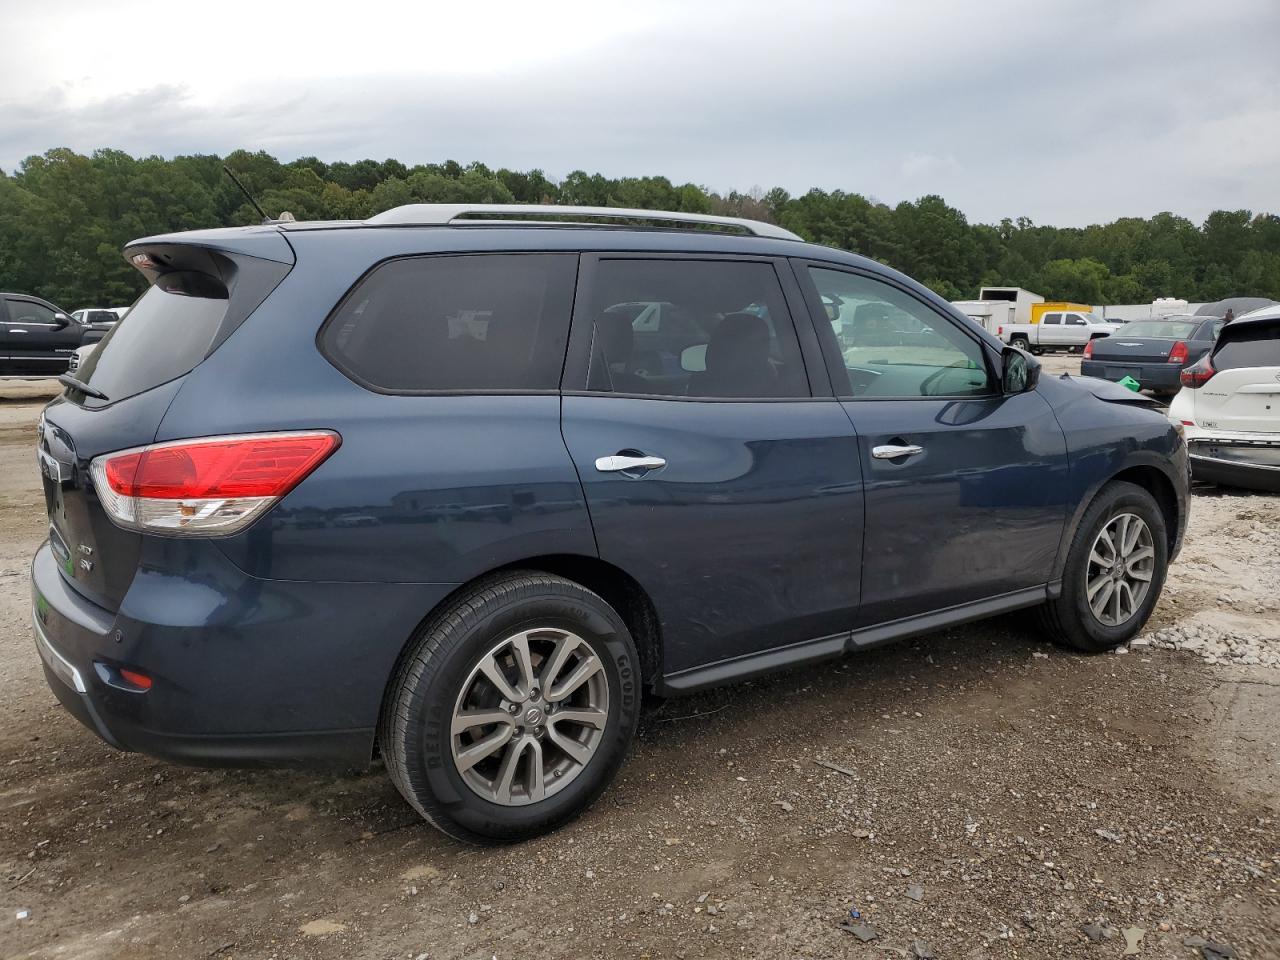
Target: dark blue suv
{"points": [[457, 484]]}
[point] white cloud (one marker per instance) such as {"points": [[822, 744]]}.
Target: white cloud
{"points": [[1068, 111]]}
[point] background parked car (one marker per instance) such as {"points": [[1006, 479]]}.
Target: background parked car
{"points": [[1057, 330], [1153, 352], [1230, 405], [36, 336], [108, 315]]}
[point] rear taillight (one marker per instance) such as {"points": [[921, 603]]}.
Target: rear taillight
{"points": [[1198, 374], [213, 486], [1088, 350], [1179, 352], [999, 331]]}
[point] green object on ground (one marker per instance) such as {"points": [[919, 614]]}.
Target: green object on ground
{"points": [[1131, 383]]}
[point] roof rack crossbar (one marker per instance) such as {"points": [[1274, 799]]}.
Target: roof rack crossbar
{"points": [[445, 214]]}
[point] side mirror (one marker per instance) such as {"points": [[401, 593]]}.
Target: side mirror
{"points": [[61, 319], [1021, 371]]}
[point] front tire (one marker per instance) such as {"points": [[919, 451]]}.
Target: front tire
{"points": [[1115, 570], [513, 708]]}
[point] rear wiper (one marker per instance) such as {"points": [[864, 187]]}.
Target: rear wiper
{"points": [[67, 380]]}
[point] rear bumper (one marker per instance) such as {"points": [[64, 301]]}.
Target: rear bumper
{"points": [[1152, 376], [1234, 463], [245, 672]]}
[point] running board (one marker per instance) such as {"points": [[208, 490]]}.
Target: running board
{"points": [[836, 645]]}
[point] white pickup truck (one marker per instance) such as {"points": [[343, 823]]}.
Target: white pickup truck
{"points": [[1066, 330]]}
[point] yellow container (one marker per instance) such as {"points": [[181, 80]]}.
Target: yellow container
{"points": [[1057, 306]]}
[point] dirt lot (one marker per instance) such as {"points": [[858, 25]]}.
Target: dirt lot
{"points": [[994, 796]]}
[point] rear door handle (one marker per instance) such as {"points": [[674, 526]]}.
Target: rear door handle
{"points": [[892, 451], [620, 463]]}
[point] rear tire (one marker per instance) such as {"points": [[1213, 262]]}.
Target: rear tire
{"points": [[504, 759], [1103, 603], [1022, 343]]}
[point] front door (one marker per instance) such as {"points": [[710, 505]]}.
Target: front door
{"points": [[713, 474], [966, 488]]}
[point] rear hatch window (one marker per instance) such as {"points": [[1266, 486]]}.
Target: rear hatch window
{"points": [[168, 331], [1248, 345]]}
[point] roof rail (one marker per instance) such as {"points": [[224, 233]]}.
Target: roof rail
{"points": [[445, 214]]}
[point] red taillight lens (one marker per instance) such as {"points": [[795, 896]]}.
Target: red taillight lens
{"points": [[1179, 352], [1198, 374], [264, 466], [1088, 350], [211, 486]]}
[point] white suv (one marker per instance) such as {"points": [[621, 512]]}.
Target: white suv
{"points": [[1230, 405]]}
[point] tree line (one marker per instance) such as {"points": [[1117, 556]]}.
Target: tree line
{"points": [[64, 218]]}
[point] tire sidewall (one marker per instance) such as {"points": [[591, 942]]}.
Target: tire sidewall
{"points": [[428, 751], [1124, 498]]}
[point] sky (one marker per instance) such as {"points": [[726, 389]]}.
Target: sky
{"points": [[1066, 111]]}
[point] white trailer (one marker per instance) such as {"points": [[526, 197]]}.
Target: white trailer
{"points": [[1020, 298], [988, 314]]}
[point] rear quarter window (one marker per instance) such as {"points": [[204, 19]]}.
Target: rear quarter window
{"points": [[482, 322]]}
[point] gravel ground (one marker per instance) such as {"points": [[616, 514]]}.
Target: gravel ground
{"points": [[975, 793]]}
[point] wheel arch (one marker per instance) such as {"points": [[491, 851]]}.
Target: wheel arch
{"points": [[618, 588], [1148, 475]]}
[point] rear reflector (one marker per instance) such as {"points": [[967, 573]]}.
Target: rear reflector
{"points": [[139, 680], [1198, 374], [1179, 353], [212, 486]]}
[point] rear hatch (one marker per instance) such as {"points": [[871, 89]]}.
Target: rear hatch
{"points": [[201, 290], [1244, 394]]}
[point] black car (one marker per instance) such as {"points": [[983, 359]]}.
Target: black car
{"points": [[1153, 352], [37, 338]]}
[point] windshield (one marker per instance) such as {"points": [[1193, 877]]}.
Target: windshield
{"points": [[1094, 318], [166, 333], [1159, 329]]}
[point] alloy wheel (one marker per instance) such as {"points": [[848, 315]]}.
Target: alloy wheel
{"points": [[530, 716], [1122, 562]]}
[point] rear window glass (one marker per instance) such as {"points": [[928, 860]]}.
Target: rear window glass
{"points": [[1159, 329], [1240, 348], [477, 322], [168, 331]]}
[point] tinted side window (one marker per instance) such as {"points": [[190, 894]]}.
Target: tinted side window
{"points": [[482, 322], [24, 311], [693, 328], [893, 345], [1051, 318], [1254, 348], [1076, 320]]}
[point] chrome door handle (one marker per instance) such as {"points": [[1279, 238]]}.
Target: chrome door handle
{"points": [[891, 451], [620, 463]]}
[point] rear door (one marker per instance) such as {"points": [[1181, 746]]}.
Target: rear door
{"points": [[966, 488], [715, 472], [1051, 330]]}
